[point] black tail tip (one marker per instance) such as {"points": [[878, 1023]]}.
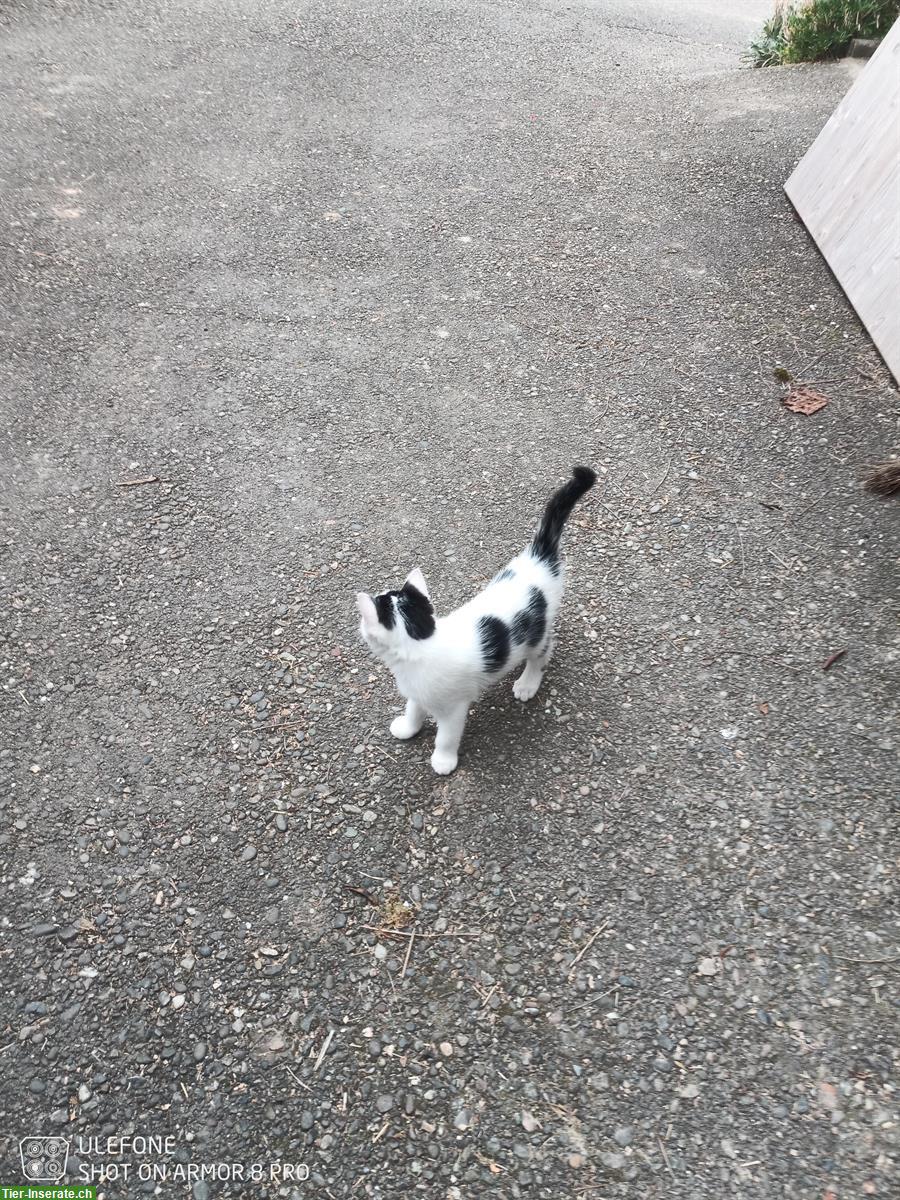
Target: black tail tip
{"points": [[584, 476]]}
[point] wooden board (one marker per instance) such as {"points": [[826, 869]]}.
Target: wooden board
{"points": [[846, 190]]}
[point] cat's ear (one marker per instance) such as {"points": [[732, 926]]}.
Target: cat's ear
{"points": [[417, 580], [367, 609]]}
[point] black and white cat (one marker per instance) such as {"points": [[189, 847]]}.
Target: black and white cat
{"points": [[443, 664]]}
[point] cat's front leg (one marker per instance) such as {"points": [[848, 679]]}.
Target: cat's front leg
{"points": [[409, 724], [450, 726]]}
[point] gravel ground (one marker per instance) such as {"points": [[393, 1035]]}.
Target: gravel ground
{"points": [[357, 285]]}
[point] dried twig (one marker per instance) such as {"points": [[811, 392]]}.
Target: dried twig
{"points": [[665, 1157], [358, 891], [869, 962], [138, 482], [296, 1080], [404, 933], [409, 946], [584, 949], [832, 658], [486, 1001], [741, 543], [323, 1051], [663, 480]]}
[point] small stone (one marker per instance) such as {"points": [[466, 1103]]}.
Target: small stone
{"points": [[576, 1160], [707, 966], [200, 1050], [446, 1049], [281, 822], [613, 1162], [307, 1120], [624, 1136], [690, 1091], [248, 853], [463, 1119], [177, 1001], [529, 1124], [84, 1093], [384, 1103]]}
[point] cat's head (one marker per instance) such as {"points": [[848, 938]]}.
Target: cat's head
{"points": [[395, 621]]}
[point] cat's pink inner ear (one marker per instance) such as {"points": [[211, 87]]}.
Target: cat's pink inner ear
{"points": [[366, 606], [417, 579]]}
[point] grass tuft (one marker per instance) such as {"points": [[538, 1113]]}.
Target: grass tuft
{"points": [[805, 32]]}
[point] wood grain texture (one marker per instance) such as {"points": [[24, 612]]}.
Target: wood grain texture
{"points": [[846, 190]]}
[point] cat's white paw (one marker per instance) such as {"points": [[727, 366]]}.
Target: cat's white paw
{"points": [[443, 764], [526, 686], [402, 729]]}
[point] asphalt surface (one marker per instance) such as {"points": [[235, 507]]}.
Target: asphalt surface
{"points": [[357, 285]]}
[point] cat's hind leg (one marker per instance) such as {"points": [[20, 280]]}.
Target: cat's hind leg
{"points": [[410, 722], [450, 726], [535, 665]]}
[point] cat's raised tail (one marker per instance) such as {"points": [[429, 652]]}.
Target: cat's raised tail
{"points": [[545, 544]]}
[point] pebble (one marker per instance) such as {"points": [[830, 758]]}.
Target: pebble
{"points": [[385, 1103], [248, 853], [624, 1136], [200, 1050]]}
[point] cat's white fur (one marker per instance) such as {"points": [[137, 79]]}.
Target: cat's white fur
{"points": [[443, 674], [443, 664]]}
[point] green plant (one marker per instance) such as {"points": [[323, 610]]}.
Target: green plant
{"points": [[804, 32]]}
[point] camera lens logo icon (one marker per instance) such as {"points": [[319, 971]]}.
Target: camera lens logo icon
{"points": [[44, 1158]]}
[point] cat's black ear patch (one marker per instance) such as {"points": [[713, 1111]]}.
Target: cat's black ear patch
{"points": [[384, 606], [530, 623], [495, 641], [417, 612]]}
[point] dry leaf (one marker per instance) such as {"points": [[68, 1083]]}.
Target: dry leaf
{"points": [[763, 708], [802, 399]]}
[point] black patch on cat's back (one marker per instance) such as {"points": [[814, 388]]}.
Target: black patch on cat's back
{"points": [[384, 607], [506, 573], [530, 623], [417, 612], [494, 637]]}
